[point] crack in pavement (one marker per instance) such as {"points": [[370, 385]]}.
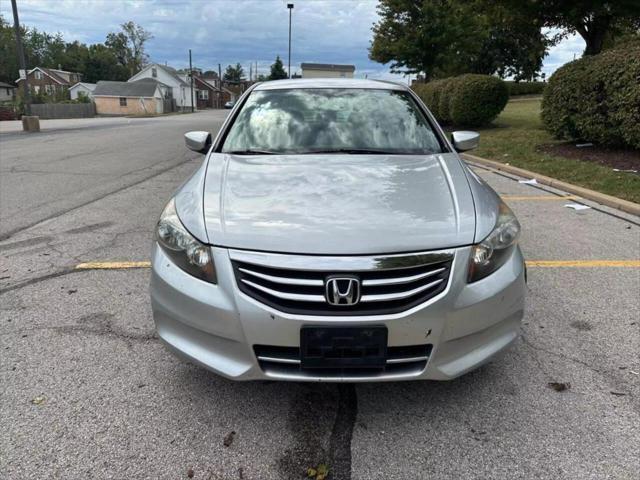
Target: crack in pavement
{"points": [[98, 323], [342, 432], [611, 377], [10, 233]]}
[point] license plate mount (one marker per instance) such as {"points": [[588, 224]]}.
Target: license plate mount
{"points": [[343, 347]]}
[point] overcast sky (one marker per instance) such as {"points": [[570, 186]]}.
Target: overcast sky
{"points": [[230, 31]]}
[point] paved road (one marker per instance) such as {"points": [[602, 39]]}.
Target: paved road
{"points": [[74, 162], [89, 392]]}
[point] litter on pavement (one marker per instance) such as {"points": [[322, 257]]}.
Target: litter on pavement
{"points": [[533, 181], [577, 206]]}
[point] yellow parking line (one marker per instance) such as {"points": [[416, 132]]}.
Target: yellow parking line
{"points": [[582, 263], [111, 265], [530, 263], [537, 197]]}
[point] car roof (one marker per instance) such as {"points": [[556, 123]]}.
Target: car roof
{"points": [[330, 83]]}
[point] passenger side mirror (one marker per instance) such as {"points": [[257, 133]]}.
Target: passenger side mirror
{"points": [[198, 141], [464, 140]]}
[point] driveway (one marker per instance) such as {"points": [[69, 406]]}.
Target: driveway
{"points": [[89, 391]]}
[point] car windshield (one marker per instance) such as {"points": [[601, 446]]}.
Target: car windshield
{"points": [[331, 120]]}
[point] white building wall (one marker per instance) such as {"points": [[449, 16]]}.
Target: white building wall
{"points": [[180, 92], [73, 92]]}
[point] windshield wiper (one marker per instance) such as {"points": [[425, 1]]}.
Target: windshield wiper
{"points": [[250, 151]]}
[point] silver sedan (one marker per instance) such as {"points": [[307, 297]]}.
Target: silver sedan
{"points": [[332, 233]]}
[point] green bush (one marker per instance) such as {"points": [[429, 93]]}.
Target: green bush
{"points": [[596, 99], [525, 88], [468, 100], [477, 99]]}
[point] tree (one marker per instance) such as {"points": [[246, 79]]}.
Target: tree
{"points": [[596, 21], [122, 55], [233, 74], [277, 70], [8, 57], [129, 46], [102, 64], [451, 37]]}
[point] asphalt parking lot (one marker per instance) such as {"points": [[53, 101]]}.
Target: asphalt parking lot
{"points": [[88, 391]]}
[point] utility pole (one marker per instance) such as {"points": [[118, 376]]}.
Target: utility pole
{"points": [[290, 7], [23, 64], [191, 76], [219, 86]]}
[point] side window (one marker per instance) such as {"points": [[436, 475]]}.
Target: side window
{"points": [[38, 75], [154, 72], [123, 101]]}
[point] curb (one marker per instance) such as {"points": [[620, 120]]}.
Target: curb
{"points": [[608, 200]]}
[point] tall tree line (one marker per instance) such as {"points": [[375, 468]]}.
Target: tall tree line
{"points": [[118, 58], [441, 38]]}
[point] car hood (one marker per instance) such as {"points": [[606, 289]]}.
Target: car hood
{"points": [[338, 204]]}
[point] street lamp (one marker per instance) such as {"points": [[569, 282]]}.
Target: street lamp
{"points": [[290, 7]]}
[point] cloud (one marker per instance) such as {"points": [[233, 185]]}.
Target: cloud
{"points": [[230, 31]]}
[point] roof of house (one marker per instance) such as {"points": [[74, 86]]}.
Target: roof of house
{"points": [[328, 66], [209, 83], [6, 85], [169, 70], [54, 74], [90, 86], [154, 80], [126, 89]]}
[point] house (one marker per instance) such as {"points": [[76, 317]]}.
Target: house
{"points": [[142, 97], [179, 84], [209, 93], [7, 92], [80, 89], [50, 81], [327, 70]]}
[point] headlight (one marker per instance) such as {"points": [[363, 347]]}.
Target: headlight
{"points": [[493, 251], [186, 252]]}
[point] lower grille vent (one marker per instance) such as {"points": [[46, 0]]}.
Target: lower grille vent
{"points": [[285, 361]]}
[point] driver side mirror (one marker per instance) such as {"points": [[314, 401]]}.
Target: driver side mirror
{"points": [[198, 141], [464, 140]]}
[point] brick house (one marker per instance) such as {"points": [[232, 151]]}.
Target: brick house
{"points": [[50, 81], [209, 94]]}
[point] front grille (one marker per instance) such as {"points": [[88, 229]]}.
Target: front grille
{"points": [[285, 361], [387, 285]]}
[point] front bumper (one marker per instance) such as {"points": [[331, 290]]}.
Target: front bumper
{"points": [[217, 326]]}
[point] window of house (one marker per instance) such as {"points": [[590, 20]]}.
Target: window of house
{"points": [[123, 101], [154, 72], [203, 94], [8, 91], [48, 89], [37, 75]]}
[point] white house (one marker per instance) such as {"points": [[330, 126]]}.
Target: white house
{"points": [[180, 85], [327, 70], [82, 88]]}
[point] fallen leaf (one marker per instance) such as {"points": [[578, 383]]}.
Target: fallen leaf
{"points": [[39, 400], [311, 472], [190, 473], [72, 290], [559, 386], [228, 440], [618, 394]]}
